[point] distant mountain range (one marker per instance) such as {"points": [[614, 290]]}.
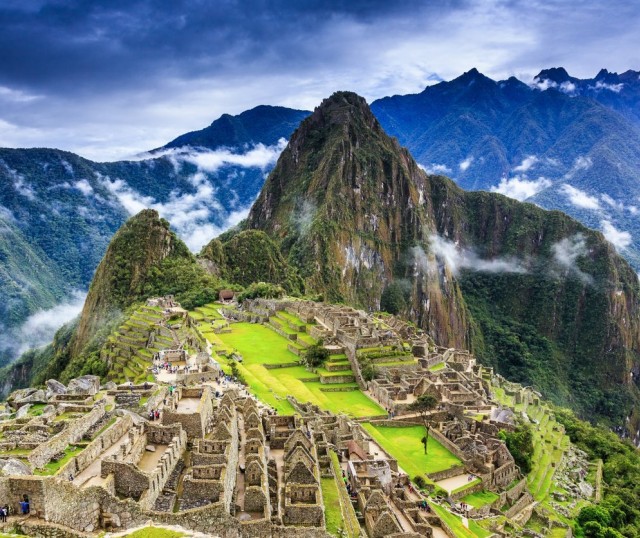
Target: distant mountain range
{"points": [[561, 142]]}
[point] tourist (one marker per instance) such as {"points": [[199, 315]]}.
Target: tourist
{"points": [[157, 415], [24, 507], [151, 415], [3, 514]]}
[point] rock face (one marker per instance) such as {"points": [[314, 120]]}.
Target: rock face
{"points": [[87, 384], [13, 467], [533, 293], [55, 387]]}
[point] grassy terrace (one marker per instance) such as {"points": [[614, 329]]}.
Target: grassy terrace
{"points": [[480, 499], [260, 345], [456, 525], [54, 466], [404, 445], [332, 509]]}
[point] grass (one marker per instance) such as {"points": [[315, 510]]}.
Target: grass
{"points": [[436, 367], [260, 345], [332, 509], [155, 532], [455, 524], [480, 498], [404, 445], [53, 467]]}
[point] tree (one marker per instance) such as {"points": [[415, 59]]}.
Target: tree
{"points": [[520, 445], [316, 355], [392, 299], [423, 405]]}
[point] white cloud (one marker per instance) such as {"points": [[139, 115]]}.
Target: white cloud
{"points": [[567, 251], [568, 87], [17, 96], [521, 188], [464, 165], [581, 163], [84, 187], [618, 206], [39, 328], [436, 169], [618, 238], [191, 214], [258, 156], [458, 258], [616, 88], [580, 198], [526, 164], [544, 84]]}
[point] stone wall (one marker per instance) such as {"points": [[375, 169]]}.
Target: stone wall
{"points": [[447, 473], [73, 433], [450, 446], [96, 447]]}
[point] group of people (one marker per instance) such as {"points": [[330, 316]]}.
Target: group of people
{"points": [[154, 415], [4, 513]]}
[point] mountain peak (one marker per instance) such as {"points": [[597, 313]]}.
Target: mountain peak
{"points": [[555, 74], [342, 108]]}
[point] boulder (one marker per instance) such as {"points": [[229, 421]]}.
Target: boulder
{"points": [[23, 411], [13, 467], [55, 387], [110, 385], [150, 448], [35, 397], [19, 394], [87, 384]]}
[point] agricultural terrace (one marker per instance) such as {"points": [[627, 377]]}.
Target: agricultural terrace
{"points": [[405, 445], [260, 345]]}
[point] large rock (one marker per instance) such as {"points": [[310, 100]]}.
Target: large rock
{"points": [[36, 397], [14, 467], [23, 411], [110, 385], [19, 394], [87, 384], [55, 387]]}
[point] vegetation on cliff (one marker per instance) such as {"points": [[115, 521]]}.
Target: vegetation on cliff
{"points": [[533, 293]]}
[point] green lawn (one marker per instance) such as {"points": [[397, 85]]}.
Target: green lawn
{"points": [[53, 467], [404, 445], [260, 345], [257, 344], [455, 524], [480, 499], [332, 509]]}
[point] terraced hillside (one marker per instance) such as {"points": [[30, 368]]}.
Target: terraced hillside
{"points": [[130, 349], [272, 365]]}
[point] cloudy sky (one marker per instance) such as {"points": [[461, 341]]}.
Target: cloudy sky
{"points": [[111, 78]]}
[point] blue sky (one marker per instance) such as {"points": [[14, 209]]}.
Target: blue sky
{"points": [[108, 79]]}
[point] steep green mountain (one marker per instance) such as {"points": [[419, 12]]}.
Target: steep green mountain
{"points": [[144, 259], [65, 209], [28, 277], [247, 257], [562, 142], [534, 293]]}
